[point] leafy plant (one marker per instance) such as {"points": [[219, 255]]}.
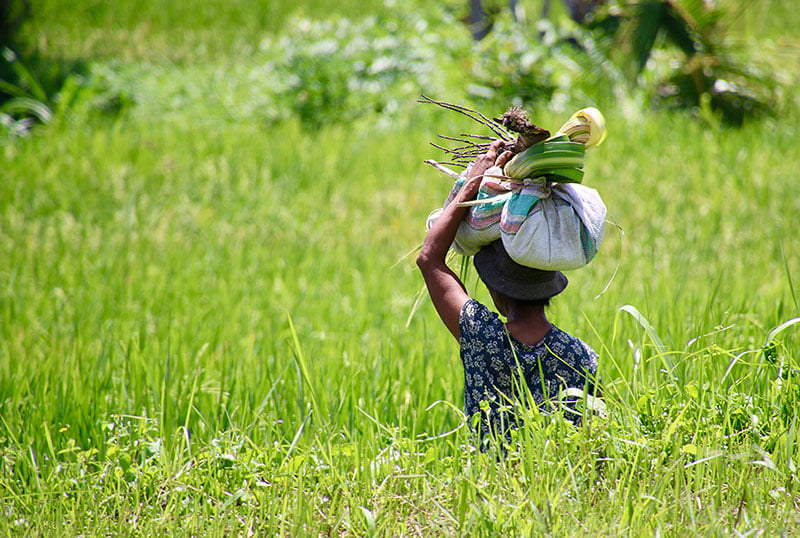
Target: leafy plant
{"points": [[320, 71], [556, 63], [708, 69], [12, 13], [336, 70], [31, 95], [28, 101]]}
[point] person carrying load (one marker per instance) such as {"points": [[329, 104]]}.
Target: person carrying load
{"points": [[496, 356]]}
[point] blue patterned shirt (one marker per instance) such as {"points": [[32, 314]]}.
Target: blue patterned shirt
{"points": [[557, 362]]}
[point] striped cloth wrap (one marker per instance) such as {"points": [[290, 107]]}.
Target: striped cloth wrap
{"points": [[550, 226]]}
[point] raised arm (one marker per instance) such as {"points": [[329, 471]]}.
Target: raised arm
{"points": [[446, 290]]}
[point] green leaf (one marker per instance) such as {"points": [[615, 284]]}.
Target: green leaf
{"points": [[679, 31], [12, 89], [649, 16], [25, 105], [25, 76], [301, 362], [370, 517], [662, 350], [780, 328]]}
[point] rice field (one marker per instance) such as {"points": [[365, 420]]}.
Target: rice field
{"points": [[206, 319]]}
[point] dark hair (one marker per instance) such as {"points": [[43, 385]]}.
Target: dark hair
{"points": [[531, 303], [523, 303]]}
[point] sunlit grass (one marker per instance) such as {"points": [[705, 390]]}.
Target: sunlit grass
{"points": [[148, 30], [152, 270], [202, 331]]}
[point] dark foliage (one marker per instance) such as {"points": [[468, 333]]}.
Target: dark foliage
{"points": [[12, 13], [709, 71]]}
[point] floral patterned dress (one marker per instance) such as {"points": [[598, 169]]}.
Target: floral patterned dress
{"points": [[492, 372]]}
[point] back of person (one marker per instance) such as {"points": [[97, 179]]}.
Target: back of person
{"points": [[495, 362], [503, 362]]}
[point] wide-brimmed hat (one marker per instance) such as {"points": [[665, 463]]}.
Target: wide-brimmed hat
{"points": [[502, 274]]}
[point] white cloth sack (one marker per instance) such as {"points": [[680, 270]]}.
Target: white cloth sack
{"points": [[555, 227], [560, 227]]}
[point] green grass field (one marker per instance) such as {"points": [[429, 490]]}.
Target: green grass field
{"points": [[203, 317]]}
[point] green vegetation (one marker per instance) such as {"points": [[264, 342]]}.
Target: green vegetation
{"points": [[203, 321]]}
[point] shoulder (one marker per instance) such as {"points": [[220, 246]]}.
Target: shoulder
{"points": [[564, 344], [475, 318], [473, 310]]}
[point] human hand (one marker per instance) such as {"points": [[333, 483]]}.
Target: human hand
{"points": [[488, 159], [482, 164]]}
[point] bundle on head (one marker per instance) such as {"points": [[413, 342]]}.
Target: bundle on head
{"points": [[537, 154], [535, 203]]}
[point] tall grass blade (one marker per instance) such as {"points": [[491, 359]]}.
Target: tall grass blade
{"points": [[619, 260], [592, 402], [662, 350], [732, 364], [780, 328], [789, 278], [12, 89], [297, 437], [25, 76], [407, 255], [26, 105], [301, 363], [418, 298]]}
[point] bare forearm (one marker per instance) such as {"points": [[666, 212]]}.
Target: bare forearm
{"points": [[441, 235], [446, 290], [443, 232]]}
